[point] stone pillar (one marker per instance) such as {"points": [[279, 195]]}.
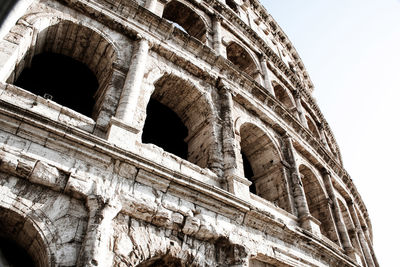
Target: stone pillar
{"points": [[369, 242], [307, 221], [122, 130], [237, 185], [333, 230], [360, 234], [217, 36], [300, 110], [95, 249], [339, 222], [156, 6], [151, 5], [130, 92], [264, 69]]}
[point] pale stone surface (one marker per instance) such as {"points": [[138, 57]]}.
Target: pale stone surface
{"points": [[85, 191]]}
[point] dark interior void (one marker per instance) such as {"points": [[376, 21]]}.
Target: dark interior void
{"points": [[11, 254], [248, 173], [238, 56], [232, 5], [185, 17], [66, 81], [165, 261], [165, 129]]}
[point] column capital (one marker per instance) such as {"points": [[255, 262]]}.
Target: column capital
{"points": [[222, 86], [350, 202], [218, 17], [297, 94], [327, 173], [286, 136], [263, 57]]}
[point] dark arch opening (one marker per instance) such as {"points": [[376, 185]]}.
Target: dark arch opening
{"points": [[164, 261], [239, 56], [13, 255], [312, 127], [232, 5], [165, 129], [21, 244], [248, 172], [282, 95], [64, 80], [186, 18]]}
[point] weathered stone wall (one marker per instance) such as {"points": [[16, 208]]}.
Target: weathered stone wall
{"points": [[86, 191]]}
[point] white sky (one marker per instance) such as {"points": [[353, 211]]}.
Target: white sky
{"points": [[351, 50]]}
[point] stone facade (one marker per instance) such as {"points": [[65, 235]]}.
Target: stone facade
{"points": [[261, 182]]}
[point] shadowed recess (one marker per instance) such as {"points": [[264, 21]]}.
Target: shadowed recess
{"points": [[186, 18], [248, 172], [238, 56], [64, 80], [165, 129], [12, 255]]}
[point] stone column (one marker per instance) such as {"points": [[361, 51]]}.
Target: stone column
{"points": [[300, 110], [307, 221], [339, 222], [369, 242], [122, 130], [217, 36], [151, 5], [156, 6], [130, 92], [95, 249], [236, 184], [264, 69], [360, 234], [333, 230]]}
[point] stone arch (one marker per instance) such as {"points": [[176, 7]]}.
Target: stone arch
{"points": [[312, 127], [242, 58], [80, 41], [284, 96], [162, 261], [265, 159], [194, 108], [187, 18], [29, 230], [318, 202], [232, 5]]}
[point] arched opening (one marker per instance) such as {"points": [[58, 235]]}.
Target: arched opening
{"points": [[62, 79], [185, 17], [165, 129], [282, 96], [232, 5], [312, 127], [317, 202], [239, 56], [20, 242], [164, 261], [248, 172], [70, 63], [13, 255], [261, 160], [190, 106]]}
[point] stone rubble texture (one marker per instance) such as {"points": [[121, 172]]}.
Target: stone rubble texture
{"points": [[85, 191]]}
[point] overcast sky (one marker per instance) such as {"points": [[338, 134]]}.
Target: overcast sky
{"points": [[351, 49]]}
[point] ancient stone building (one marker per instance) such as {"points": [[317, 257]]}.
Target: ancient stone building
{"points": [[166, 133]]}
